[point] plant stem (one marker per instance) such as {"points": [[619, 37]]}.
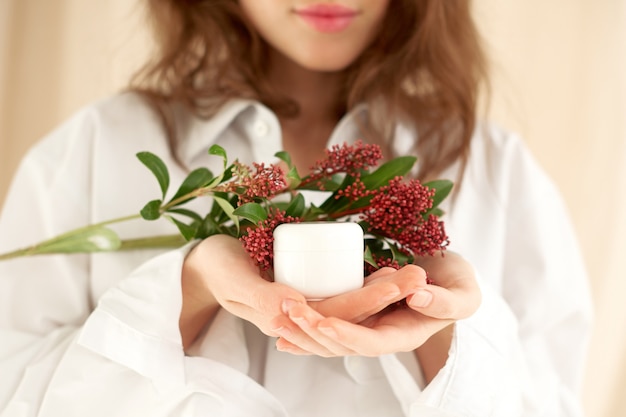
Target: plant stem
{"points": [[155, 242], [112, 221], [32, 250], [198, 192], [16, 253]]}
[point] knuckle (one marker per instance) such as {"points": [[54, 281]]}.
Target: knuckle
{"points": [[415, 272], [413, 269]]}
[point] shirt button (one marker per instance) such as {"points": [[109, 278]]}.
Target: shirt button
{"points": [[261, 128]]}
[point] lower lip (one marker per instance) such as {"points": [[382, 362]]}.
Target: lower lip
{"points": [[327, 23]]}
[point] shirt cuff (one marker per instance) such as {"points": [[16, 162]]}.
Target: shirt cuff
{"points": [[136, 322], [485, 365]]}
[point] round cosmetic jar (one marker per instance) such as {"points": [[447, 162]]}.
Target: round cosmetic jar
{"points": [[319, 259]]}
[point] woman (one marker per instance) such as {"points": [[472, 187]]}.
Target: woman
{"points": [[186, 332]]}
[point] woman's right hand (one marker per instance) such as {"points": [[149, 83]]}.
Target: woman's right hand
{"points": [[219, 272]]}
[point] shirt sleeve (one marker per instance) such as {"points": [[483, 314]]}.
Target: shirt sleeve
{"points": [[64, 352], [523, 352], [42, 299]]}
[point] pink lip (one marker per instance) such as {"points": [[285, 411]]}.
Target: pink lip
{"points": [[328, 18]]}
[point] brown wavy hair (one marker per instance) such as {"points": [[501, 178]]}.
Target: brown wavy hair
{"points": [[426, 67]]}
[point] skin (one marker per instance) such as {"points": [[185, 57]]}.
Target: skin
{"points": [[218, 273]]}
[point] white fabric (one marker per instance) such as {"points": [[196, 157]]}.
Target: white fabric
{"points": [[98, 334]]}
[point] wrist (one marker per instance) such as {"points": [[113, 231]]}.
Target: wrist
{"points": [[433, 354], [199, 306]]}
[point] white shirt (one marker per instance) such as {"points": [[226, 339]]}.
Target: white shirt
{"points": [[97, 335]]}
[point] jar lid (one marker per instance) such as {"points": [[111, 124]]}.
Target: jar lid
{"points": [[318, 236]]}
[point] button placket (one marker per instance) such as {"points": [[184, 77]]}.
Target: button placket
{"points": [[265, 138]]}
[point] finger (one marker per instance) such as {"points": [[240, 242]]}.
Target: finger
{"points": [[265, 297], [403, 330], [236, 278], [301, 330], [379, 273], [457, 302], [236, 282], [355, 306], [285, 345], [382, 288], [262, 303], [456, 294]]}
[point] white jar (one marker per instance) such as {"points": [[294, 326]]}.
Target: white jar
{"points": [[319, 259]]}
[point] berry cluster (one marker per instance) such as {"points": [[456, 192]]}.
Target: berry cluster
{"points": [[397, 210], [258, 241], [264, 182], [398, 217], [345, 159]]}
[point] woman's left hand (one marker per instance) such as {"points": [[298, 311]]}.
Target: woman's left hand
{"points": [[355, 323]]}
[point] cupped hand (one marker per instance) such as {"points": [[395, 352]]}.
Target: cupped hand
{"points": [[394, 311], [359, 323], [219, 272]]}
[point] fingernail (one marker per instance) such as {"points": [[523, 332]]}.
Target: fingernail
{"points": [[421, 298], [288, 304], [281, 347]]}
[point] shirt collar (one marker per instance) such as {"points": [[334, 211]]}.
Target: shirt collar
{"points": [[200, 134]]}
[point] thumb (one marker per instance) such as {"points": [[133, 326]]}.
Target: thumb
{"points": [[442, 303]]}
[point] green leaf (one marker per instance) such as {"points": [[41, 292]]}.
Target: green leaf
{"points": [[328, 184], [375, 245], [442, 190], [297, 206], [228, 209], [285, 157], [333, 204], [233, 200], [90, 239], [367, 257], [188, 213], [216, 210], [251, 211], [313, 213], [281, 205], [197, 178], [219, 151], [399, 256], [158, 168], [435, 211], [226, 175], [226, 172], [152, 210], [293, 178], [207, 228], [361, 203], [188, 231], [387, 171]]}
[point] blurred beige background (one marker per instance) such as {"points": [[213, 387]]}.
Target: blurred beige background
{"points": [[559, 69]]}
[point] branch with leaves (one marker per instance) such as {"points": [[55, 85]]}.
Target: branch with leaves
{"points": [[400, 218]]}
